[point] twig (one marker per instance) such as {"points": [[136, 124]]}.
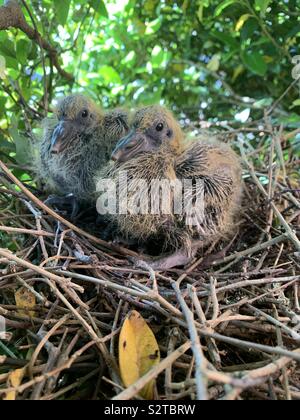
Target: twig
{"points": [[252, 250], [52, 213], [22, 231], [39, 270], [289, 232], [200, 361], [295, 336]]}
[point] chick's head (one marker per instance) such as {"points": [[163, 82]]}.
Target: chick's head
{"points": [[78, 117], [152, 128]]}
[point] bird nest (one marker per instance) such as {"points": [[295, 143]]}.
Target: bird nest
{"points": [[228, 326]]}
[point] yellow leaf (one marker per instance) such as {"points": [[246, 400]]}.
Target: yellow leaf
{"points": [[15, 378], [291, 42], [214, 63], [237, 72], [25, 300], [241, 22], [138, 352]]}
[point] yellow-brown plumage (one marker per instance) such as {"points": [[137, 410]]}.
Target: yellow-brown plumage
{"points": [[77, 141], [171, 157]]}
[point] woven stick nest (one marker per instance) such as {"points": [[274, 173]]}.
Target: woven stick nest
{"points": [[228, 326]]}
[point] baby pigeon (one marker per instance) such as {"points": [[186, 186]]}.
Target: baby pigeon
{"points": [[201, 207], [76, 143]]}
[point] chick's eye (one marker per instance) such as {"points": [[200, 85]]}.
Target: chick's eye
{"points": [[160, 127], [85, 114]]}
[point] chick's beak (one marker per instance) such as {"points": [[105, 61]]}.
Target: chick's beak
{"points": [[129, 147], [62, 133]]}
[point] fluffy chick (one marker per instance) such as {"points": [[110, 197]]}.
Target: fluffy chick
{"points": [[77, 142], [156, 149]]}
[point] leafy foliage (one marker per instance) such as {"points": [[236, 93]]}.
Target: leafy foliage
{"points": [[207, 59]]}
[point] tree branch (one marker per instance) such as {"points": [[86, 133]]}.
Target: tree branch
{"points": [[12, 16]]}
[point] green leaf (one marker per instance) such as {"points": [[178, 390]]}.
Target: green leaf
{"points": [[7, 145], [62, 8], [2, 67], [22, 143], [295, 104], [3, 101], [33, 54], [214, 63], [202, 5], [23, 50], [223, 6], [255, 62], [129, 59], [149, 6], [226, 39], [153, 26], [150, 97], [11, 63], [7, 47], [158, 56], [110, 75], [291, 120], [263, 103], [249, 29], [262, 5], [99, 6]]}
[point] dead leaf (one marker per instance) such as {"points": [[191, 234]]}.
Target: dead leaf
{"points": [[138, 352], [25, 299], [15, 378]]}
